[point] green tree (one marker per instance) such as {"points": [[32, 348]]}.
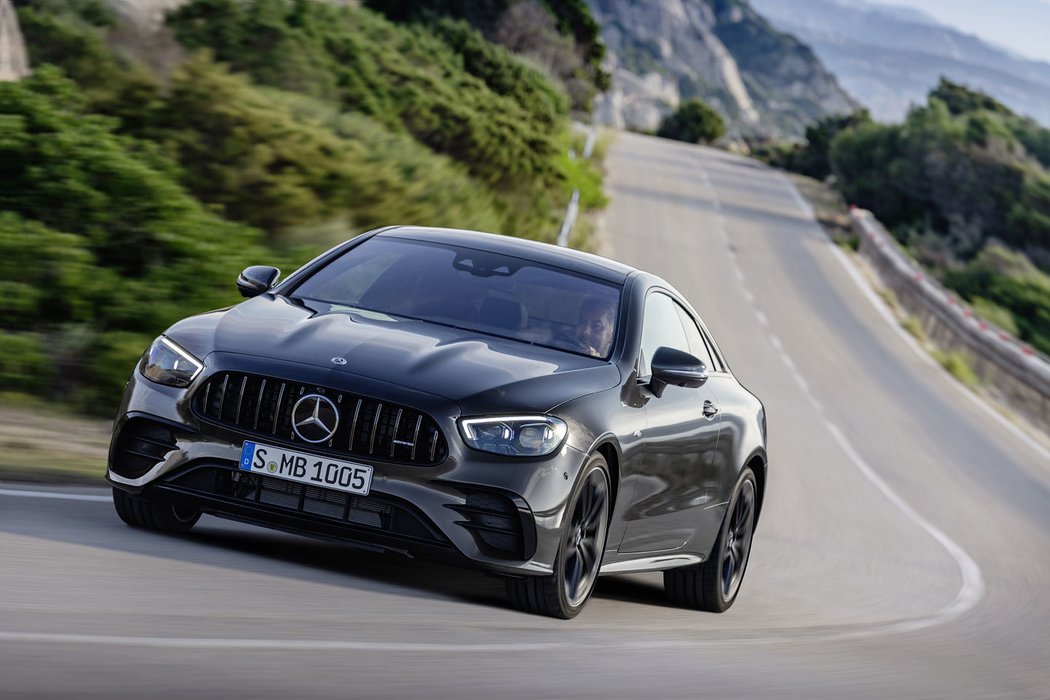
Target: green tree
{"points": [[961, 100], [694, 122], [814, 158]]}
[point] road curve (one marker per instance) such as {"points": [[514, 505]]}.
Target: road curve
{"points": [[904, 550]]}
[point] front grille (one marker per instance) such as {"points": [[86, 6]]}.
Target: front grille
{"points": [[140, 446], [391, 515], [367, 427]]}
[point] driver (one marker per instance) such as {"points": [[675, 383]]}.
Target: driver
{"points": [[594, 330]]}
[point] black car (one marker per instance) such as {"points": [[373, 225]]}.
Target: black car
{"points": [[543, 414]]}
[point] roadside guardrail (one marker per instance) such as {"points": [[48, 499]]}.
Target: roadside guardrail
{"points": [[1017, 374]]}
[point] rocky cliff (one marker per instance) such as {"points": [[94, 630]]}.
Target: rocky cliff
{"points": [[661, 52], [14, 64]]}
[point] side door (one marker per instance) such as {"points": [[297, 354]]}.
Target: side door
{"points": [[673, 481]]}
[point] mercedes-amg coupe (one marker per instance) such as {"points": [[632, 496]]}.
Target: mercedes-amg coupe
{"points": [[541, 413]]}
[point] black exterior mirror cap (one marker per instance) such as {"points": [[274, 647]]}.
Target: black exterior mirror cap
{"points": [[256, 279], [670, 366]]}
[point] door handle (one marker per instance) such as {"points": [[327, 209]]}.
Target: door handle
{"points": [[710, 410]]}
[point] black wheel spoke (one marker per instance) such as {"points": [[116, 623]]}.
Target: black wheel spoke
{"points": [[594, 509], [574, 573], [586, 558], [745, 514]]}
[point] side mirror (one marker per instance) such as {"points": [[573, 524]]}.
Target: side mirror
{"points": [[675, 367], [256, 279]]}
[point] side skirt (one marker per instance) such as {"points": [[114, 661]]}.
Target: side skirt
{"points": [[655, 563]]}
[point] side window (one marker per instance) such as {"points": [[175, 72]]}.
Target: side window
{"points": [[661, 327], [697, 346]]}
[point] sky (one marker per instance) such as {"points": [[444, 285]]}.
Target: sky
{"points": [[1020, 26]]}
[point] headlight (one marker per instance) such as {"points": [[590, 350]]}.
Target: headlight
{"points": [[522, 436], [166, 363]]}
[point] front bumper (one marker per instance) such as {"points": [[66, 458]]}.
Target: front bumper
{"points": [[500, 514]]}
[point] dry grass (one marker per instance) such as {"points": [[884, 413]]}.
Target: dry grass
{"points": [[42, 446], [828, 206]]}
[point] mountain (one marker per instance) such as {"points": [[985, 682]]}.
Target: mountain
{"points": [[660, 52], [890, 58]]}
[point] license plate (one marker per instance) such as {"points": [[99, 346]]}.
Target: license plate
{"points": [[305, 468]]}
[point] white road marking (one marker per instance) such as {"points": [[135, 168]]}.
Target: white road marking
{"points": [[802, 204], [55, 495], [972, 588], [772, 636]]}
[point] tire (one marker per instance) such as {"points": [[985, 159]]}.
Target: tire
{"points": [[564, 592], [713, 585], [148, 514]]}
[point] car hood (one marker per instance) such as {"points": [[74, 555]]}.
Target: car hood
{"points": [[481, 373]]}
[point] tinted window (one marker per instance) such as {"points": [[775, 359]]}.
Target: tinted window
{"points": [[661, 327], [697, 346], [473, 289]]}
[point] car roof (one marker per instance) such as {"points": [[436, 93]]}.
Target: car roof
{"points": [[546, 253]]}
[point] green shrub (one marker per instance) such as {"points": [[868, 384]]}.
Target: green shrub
{"points": [[24, 364], [107, 241], [958, 366], [914, 326], [993, 313], [693, 122], [1009, 281], [405, 77]]}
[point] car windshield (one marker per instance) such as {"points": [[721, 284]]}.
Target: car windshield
{"points": [[473, 289]]}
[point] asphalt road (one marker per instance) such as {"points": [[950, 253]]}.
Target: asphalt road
{"points": [[904, 551]]}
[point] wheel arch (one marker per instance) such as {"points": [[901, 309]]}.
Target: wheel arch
{"points": [[609, 448], [757, 462]]}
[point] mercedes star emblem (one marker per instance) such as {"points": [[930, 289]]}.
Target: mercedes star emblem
{"points": [[338, 360], [315, 418]]}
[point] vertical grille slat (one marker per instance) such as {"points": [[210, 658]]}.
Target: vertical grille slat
{"points": [[415, 436], [258, 404], [222, 394], [277, 409], [262, 406], [393, 437], [375, 429], [353, 425], [240, 400]]}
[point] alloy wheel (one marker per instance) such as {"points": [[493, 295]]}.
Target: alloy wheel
{"points": [[737, 545], [585, 538]]}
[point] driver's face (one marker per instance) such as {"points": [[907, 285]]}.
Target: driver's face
{"points": [[595, 331]]}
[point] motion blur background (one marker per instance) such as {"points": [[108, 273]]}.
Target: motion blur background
{"points": [[151, 149]]}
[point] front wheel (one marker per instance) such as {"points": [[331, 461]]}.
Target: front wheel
{"points": [[713, 585], [564, 592], [146, 513]]}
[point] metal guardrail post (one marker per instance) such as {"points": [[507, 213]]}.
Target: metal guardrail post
{"points": [[573, 210], [570, 219]]}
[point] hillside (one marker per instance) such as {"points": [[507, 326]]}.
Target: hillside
{"points": [[890, 59], [660, 53], [151, 156]]}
